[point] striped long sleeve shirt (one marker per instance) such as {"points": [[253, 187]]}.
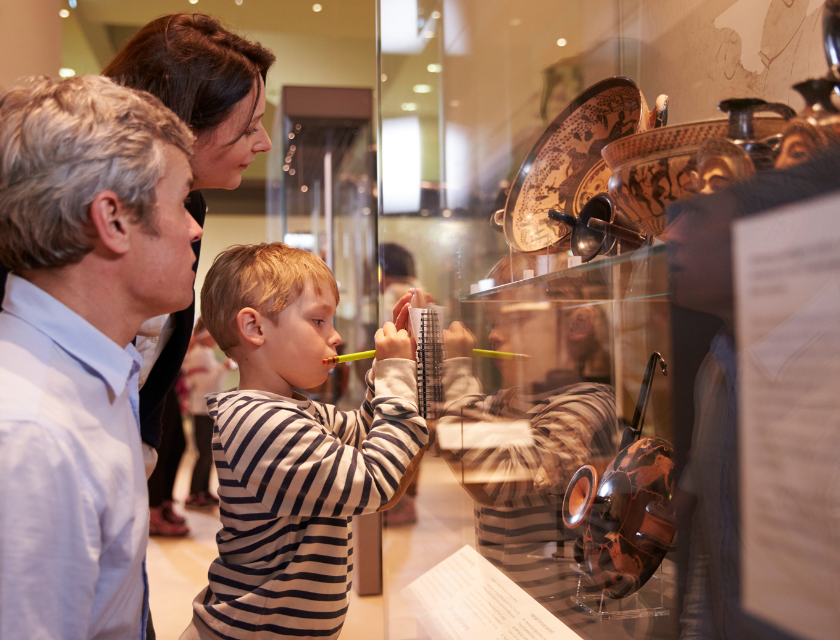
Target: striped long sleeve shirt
{"points": [[292, 472]]}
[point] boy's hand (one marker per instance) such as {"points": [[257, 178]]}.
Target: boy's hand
{"points": [[393, 343], [400, 311], [459, 341]]}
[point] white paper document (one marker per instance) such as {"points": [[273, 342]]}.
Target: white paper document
{"points": [[787, 307], [454, 436], [467, 598]]}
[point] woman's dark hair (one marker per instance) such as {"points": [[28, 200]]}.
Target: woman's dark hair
{"points": [[197, 68]]}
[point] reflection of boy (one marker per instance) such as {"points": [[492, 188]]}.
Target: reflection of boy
{"points": [[573, 422], [293, 471]]}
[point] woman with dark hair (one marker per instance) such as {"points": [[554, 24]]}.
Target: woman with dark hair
{"points": [[214, 80]]}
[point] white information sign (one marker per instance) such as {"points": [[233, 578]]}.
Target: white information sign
{"points": [[467, 598], [787, 304]]}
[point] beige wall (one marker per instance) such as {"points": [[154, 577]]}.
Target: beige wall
{"points": [[30, 39], [222, 231]]}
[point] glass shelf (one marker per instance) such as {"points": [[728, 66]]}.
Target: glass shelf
{"points": [[633, 276]]}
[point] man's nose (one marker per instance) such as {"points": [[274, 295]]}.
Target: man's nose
{"points": [[196, 232]]}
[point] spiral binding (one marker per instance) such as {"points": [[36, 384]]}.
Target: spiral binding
{"points": [[430, 365]]}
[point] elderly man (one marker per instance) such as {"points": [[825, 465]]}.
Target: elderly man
{"points": [[93, 178]]}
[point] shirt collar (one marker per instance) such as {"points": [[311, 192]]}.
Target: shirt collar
{"points": [[71, 332]]}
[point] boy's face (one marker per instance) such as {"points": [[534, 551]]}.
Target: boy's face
{"points": [[301, 338], [529, 331]]}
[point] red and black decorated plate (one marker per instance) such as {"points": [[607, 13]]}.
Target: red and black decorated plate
{"points": [[565, 168]]}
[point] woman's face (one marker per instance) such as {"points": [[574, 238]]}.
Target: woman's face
{"points": [[221, 155]]}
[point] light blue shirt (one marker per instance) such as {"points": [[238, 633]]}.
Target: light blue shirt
{"points": [[74, 514]]}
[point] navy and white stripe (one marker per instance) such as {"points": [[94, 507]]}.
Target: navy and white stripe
{"points": [[291, 474]]}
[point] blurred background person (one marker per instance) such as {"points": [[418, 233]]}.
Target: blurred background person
{"points": [[203, 374]]}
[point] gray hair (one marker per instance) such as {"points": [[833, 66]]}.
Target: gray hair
{"points": [[62, 143]]}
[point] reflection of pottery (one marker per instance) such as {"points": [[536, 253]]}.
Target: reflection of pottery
{"points": [[628, 524], [650, 170], [565, 168]]}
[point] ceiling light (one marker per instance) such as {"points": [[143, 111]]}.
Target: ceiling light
{"points": [[64, 13], [515, 22], [434, 67], [316, 8], [422, 88], [238, 2], [562, 42], [66, 73], [383, 77], [193, 1], [304, 188], [409, 106], [435, 15]]}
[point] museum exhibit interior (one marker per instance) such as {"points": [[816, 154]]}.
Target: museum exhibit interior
{"points": [[621, 223]]}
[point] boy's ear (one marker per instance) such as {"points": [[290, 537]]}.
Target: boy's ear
{"points": [[110, 219], [249, 324]]}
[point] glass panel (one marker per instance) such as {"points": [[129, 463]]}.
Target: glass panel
{"points": [[529, 172]]}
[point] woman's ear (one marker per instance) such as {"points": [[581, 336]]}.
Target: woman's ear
{"points": [[249, 325]]}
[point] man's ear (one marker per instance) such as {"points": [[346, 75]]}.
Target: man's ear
{"points": [[111, 218], [249, 325]]}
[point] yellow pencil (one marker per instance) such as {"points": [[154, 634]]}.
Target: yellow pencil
{"points": [[483, 353], [500, 355], [349, 357]]}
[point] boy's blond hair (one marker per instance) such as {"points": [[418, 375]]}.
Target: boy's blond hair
{"points": [[267, 277]]}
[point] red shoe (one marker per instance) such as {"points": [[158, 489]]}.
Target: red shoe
{"points": [[159, 526], [202, 500], [167, 508]]}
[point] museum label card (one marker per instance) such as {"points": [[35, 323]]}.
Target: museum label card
{"points": [[467, 598], [787, 306]]}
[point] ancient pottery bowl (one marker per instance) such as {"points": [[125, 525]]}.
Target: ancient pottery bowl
{"points": [[652, 169], [627, 523]]}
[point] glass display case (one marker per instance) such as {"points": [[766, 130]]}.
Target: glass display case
{"points": [[553, 169]]}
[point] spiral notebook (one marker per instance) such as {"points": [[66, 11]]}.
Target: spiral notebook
{"points": [[427, 327]]}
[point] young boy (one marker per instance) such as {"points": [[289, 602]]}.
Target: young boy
{"points": [[292, 471]]}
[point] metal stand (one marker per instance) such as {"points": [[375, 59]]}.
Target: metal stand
{"points": [[649, 602]]}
